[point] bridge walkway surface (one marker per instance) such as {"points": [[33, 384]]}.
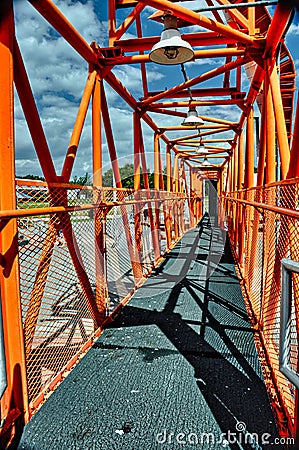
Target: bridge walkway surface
{"points": [[177, 369]]}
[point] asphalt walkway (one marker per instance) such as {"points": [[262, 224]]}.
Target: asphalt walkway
{"points": [[178, 368]]}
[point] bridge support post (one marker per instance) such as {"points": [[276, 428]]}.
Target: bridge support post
{"points": [[14, 402]]}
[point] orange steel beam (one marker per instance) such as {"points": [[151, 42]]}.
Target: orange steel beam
{"points": [[294, 158], [175, 182], [270, 135], [201, 78], [217, 120], [282, 135], [134, 258], [110, 140], [77, 130], [168, 168], [214, 149], [210, 102], [195, 157], [200, 20], [203, 38], [280, 21], [97, 162], [137, 143], [254, 89], [155, 238], [111, 22], [201, 92], [160, 168], [128, 20], [236, 15], [217, 140], [198, 54], [99, 215], [251, 20], [235, 168], [32, 116], [292, 213], [263, 143], [240, 212], [175, 177], [15, 397], [142, 66], [58, 21], [8, 214], [249, 156], [168, 112], [204, 127], [137, 167], [157, 187]]}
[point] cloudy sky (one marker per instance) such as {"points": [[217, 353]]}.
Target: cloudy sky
{"points": [[58, 74]]}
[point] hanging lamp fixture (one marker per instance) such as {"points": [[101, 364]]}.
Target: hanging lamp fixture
{"points": [[171, 49], [205, 162], [201, 149], [192, 118]]}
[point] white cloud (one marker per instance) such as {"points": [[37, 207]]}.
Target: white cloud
{"points": [[57, 76], [294, 29]]}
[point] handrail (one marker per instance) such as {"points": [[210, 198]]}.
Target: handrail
{"points": [[287, 267], [277, 209], [17, 213]]}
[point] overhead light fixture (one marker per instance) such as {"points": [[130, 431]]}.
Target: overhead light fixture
{"points": [[205, 162], [171, 49], [192, 118], [201, 148]]}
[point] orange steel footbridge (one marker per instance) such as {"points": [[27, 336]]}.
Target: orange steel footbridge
{"points": [[63, 245]]}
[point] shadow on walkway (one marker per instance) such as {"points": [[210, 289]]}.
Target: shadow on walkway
{"points": [[177, 369]]}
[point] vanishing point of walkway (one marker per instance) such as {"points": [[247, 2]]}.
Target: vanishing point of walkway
{"points": [[177, 369]]}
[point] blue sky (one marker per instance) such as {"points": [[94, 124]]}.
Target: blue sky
{"points": [[58, 75]]}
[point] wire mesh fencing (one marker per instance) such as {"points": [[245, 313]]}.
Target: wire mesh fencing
{"points": [[79, 262], [269, 231]]}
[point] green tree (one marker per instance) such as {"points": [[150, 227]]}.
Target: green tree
{"points": [[83, 180], [108, 178], [127, 177], [32, 177]]}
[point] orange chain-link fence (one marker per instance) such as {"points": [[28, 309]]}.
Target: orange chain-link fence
{"points": [[82, 252], [263, 225]]}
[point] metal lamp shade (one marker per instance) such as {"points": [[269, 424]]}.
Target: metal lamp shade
{"points": [[171, 49], [205, 162], [201, 149], [192, 119]]}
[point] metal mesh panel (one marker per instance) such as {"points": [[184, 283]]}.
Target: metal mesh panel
{"points": [[119, 268], [84, 260], [269, 237], [52, 303], [29, 196]]}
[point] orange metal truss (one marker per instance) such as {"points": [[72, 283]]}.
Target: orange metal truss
{"points": [[50, 319]]}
